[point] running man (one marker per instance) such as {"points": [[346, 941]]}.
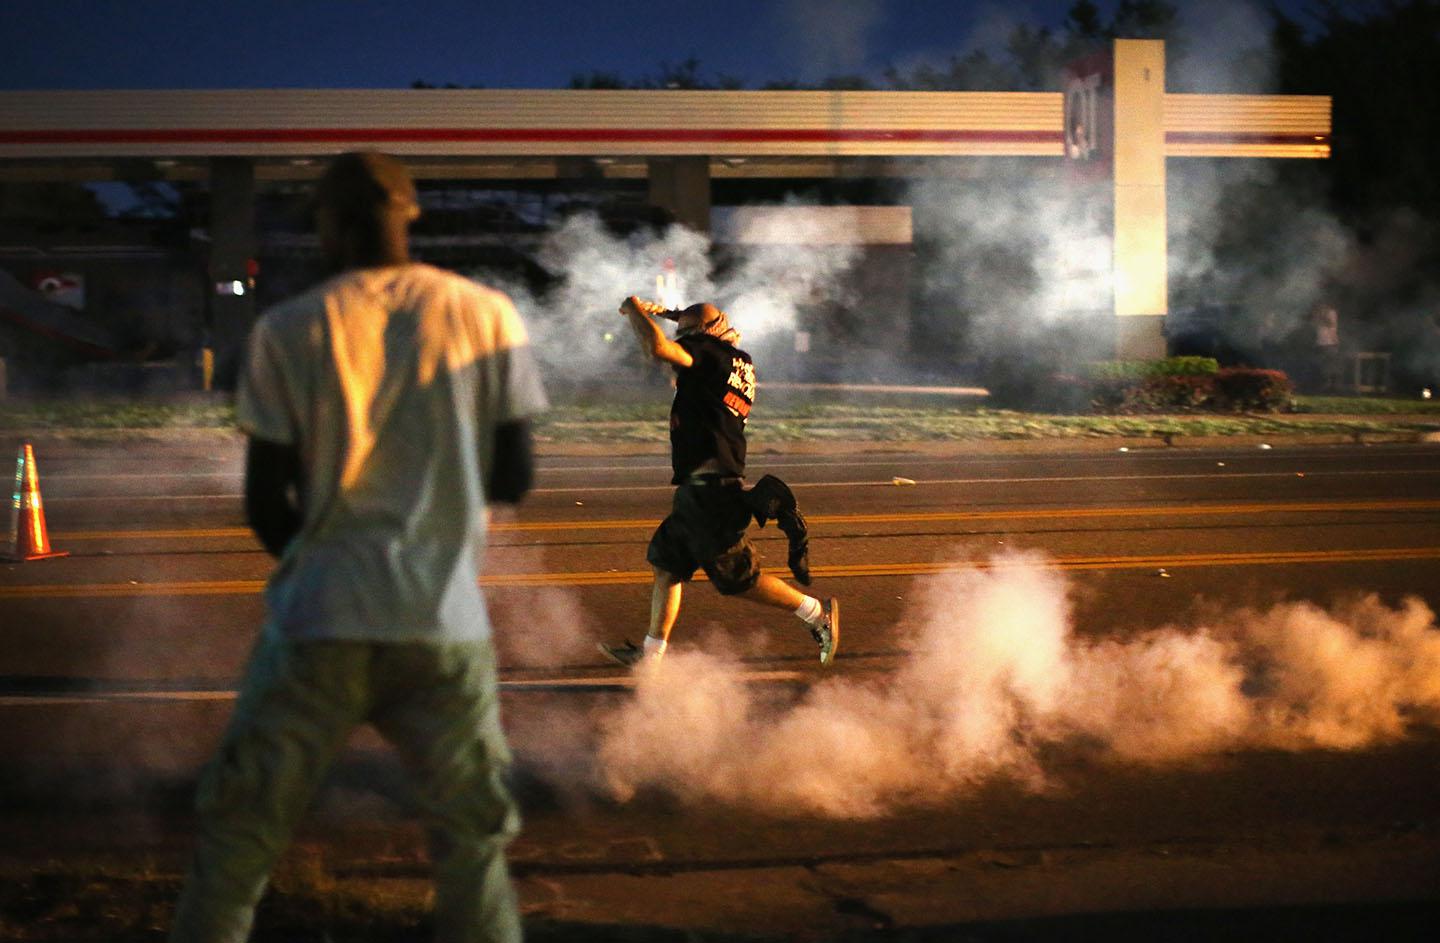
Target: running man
{"points": [[711, 510]]}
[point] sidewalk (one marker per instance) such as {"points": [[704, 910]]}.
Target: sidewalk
{"points": [[204, 442]]}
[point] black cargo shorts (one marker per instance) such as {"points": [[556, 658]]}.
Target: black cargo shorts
{"points": [[706, 530]]}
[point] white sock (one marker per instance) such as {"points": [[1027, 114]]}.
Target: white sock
{"points": [[655, 647], [811, 611]]}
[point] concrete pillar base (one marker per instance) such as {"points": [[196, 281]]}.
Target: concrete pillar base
{"points": [[1140, 337], [681, 185], [232, 245]]}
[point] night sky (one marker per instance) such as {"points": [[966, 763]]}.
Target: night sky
{"points": [[77, 44]]}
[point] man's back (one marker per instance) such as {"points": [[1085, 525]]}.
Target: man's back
{"points": [[381, 407], [390, 382], [712, 403]]}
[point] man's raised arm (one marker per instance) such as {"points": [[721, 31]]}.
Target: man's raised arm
{"points": [[653, 342]]}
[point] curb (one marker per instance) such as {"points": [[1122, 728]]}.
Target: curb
{"points": [[78, 442]]}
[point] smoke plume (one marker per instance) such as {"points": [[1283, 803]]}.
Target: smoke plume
{"points": [[1224, 47], [575, 326], [841, 47], [550, 627], [998, 677]]}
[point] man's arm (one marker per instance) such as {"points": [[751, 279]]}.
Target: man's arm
{"points": [[272, 475], [513, 464], [653, 342]]}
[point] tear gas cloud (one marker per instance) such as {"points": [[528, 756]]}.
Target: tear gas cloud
{"points": [[841, 47], [1019, 262], [998, 680], [575, 326], [1276, 273], [540, 625], [1014, 263], [1226, 49], [1018, 257]]}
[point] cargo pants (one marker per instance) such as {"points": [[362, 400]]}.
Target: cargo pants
{"points": [[437, 704]]}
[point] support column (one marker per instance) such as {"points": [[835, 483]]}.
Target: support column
{"points": [[232, 246], [682, 186], [1141, 274]]}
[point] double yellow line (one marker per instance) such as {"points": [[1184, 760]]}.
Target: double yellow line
{"points": [[919, 517], [839, 571]]}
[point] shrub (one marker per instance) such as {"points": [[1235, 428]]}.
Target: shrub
{"points": [[1187, 366], [1064, 394], [1245, 389], [1108, 395], [1168, 392], [1136, 370]]}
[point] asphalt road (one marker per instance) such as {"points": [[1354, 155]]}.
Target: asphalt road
{"points": [[821, 809]]}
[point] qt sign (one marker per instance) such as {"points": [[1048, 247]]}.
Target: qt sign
{"points": [[1089, 114]]}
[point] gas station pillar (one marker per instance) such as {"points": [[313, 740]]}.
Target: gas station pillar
{"points": [[1140, 267], [682, 186], [232, 247]]}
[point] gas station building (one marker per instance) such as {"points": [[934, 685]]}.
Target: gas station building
{"points": [[1114, 120]]}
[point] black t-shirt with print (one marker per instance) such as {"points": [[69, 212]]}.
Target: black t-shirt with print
{"points": [[713, 397]]}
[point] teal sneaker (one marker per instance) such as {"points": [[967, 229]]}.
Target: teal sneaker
{"points": [[827, 634]]}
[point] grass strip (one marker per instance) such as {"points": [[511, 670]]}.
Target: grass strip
{"points": [[791, 418]]}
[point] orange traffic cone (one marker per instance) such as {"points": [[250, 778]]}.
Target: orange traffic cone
{"points": [[28, 538]]}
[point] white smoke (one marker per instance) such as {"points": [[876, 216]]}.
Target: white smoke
{"points": [[544, 625], [840, 46], [992, 24], [998, 675], [1281, 272], [575, 326], [1011, 262], [1226, 46]]}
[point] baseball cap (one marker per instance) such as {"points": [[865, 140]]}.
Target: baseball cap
{"points": [[364, 182]]}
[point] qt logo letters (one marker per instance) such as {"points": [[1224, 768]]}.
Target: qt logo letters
{"points": [[1082, 117]]}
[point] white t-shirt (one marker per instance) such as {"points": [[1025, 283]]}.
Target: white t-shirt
{"points": [[390, 381]]}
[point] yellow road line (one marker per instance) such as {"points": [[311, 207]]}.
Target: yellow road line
{"points": [[839, 571], [1190, 510], [175, 533], [617, 680], [1173, 510]]}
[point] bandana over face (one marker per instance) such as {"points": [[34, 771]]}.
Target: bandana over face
{"points": [[712, 321]]}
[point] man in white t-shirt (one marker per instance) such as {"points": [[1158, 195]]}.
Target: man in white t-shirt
{"points": [[383, 407]]}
